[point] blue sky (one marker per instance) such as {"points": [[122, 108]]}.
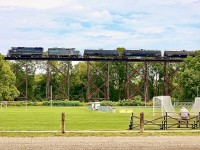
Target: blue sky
{"points": [[86, 24]]}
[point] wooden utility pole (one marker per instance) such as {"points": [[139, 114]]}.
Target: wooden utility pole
{"points": [[141, 122], [63, 122]]}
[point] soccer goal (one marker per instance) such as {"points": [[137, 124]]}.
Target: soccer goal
{"points": [[3, 104], [163, 104], [196, 107]]}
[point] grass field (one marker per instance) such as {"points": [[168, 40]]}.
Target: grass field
{"points": [[36, 118], [46, 121], [77, 118]]}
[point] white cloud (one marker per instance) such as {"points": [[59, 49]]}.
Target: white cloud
{"points": [[38, 4], [101, 16], [151, 30], [185, 1], [97, 24]]}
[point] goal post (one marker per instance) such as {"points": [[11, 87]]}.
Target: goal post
{"points": [[195, 107], [163, 104], [157, 105], [3, 105]]}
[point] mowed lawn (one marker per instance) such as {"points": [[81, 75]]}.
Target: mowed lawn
{"points": [[35, 118]]}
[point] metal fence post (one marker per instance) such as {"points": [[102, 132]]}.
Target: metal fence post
{"points": [[199, 119], [131, 123]]}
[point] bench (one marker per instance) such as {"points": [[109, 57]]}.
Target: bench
{"points": [[183, 122]]}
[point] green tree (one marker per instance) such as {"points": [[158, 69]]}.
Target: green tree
{"points": [[25, 69], [40, 87], [78, 80], [56, 76], [156, 79], [120, 50], [117, 81], [8, 91], [190, 77]]}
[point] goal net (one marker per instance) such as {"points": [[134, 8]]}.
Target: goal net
{"points": [[163, 104], [3, 104], [196, 107]]}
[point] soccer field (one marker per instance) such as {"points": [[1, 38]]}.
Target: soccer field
{"points": [[35, 118]]}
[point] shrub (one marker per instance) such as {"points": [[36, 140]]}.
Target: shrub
{"points": [[62, 103], [129, 102], [150, 103], [45, 103], [138, 101], [106, 103], [19, 103]]}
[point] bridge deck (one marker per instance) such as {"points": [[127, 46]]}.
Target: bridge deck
{"points": [[97, 59]]}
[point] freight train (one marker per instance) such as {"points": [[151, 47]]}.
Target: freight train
{"points": [[88, 53]]}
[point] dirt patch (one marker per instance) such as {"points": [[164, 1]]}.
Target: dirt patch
{"points": [[107, 143]]}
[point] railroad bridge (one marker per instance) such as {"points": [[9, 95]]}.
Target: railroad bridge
{"points": [[130, 90]]}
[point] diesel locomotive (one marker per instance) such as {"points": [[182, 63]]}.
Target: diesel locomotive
{"points": [[63, 52], [25, 52]]}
